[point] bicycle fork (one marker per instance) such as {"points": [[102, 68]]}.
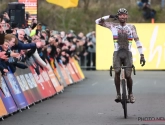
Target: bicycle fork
{"points": [[121, 83]]}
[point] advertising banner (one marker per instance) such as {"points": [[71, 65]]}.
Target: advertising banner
{"points": [[3, 111], [25, 89], [64, 74], [48, 82], [72, 72], [79, 69], [74, 68], [54, 80], [59, 72], [33, 86], [31, 8], [40, 83], [151, 37], [28, 83], [15, 90], [7, 98]]}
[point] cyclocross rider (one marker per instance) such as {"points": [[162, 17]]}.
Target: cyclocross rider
{"points": [[123, 35]]}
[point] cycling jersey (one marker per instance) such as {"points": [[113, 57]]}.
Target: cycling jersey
{"points": [[117, 29]]}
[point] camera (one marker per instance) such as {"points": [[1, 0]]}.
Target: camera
{"points": [[8, 53], [56, 39], [91, 46], [28, 38], [70, 39]]}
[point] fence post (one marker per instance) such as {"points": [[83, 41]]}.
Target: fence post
{"points": [[162, 4], [152, 20]]}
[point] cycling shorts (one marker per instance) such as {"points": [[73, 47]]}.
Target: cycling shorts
{"points": [[122, 57]]}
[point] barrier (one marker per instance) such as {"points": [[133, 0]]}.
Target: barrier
{"points": [[152, 38], [58, 73], [7, 99], [87, 62], [29, 80], [63, 73], [35, 90], [74, 68], [72, 73], [54, 80], [26, 87], [40, 83], [47, 83], [79, 69], [15, 91], [3, 111]]}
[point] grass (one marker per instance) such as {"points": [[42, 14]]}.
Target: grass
{"points": [[79, 19]]}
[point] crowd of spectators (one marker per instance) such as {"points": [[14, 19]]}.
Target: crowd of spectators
{"points": [[31, 45]]}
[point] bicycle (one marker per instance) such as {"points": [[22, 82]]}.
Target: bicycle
{"points": [[124, 100]]}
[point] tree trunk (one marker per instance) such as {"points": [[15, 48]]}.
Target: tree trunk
{"points": [[86, 5]]}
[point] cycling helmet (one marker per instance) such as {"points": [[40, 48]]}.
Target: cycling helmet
{"points": [[122, 10]]}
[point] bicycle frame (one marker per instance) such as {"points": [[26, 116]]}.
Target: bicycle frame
{"points": [[122, 73], [122, 77], [123, 85], [122, 70]]}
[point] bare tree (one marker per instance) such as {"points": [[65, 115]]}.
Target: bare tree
{"points": [[86, 5]]}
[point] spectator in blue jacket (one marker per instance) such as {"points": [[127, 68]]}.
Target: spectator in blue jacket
{"points": [[21, 46]]}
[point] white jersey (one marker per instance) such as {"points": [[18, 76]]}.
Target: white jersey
{"points": [[122, 35], [116, 28]]}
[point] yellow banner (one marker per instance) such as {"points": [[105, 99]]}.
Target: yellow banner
{"points": [[152, 36], [64, 3]]}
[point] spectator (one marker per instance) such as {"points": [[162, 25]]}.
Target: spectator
{"points": [[13, 57], [91, 57], [3, 66], [21, 45], [141, 3], [148, 12]]}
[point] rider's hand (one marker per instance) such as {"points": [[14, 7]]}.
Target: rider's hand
{"points": [[142, 60], [101, 21], [114, 16]]}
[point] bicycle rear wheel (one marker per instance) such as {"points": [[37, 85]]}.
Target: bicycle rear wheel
{"points": [[124, 98]]}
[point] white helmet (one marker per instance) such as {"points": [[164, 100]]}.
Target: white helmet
{"points": [[122, 10]]}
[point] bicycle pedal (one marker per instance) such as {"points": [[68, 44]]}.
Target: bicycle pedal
{"points": [[128, 101], [132, 102], [117, 100]]}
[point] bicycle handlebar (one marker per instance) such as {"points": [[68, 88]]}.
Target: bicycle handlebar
{"points": [[134, 69], [123, 67]]}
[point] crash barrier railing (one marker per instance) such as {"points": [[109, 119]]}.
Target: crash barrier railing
{"points": [[88, 62], [25, 88]]}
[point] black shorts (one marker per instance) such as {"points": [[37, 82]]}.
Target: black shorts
{"points": [[122, 57]]}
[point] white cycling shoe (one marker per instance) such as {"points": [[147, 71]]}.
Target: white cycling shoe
{"points": [[131, 98]]}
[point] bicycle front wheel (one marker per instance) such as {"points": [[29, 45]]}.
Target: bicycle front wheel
{"points": [[124, 98]]}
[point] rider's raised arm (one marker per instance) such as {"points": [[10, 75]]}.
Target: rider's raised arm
{"points": [[101, 21], [136, 38]]}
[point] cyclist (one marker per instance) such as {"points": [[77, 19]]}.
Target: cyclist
{"points": [[123, 35]]}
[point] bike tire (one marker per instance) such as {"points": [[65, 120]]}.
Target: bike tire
{"points": [[124, 98]]}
